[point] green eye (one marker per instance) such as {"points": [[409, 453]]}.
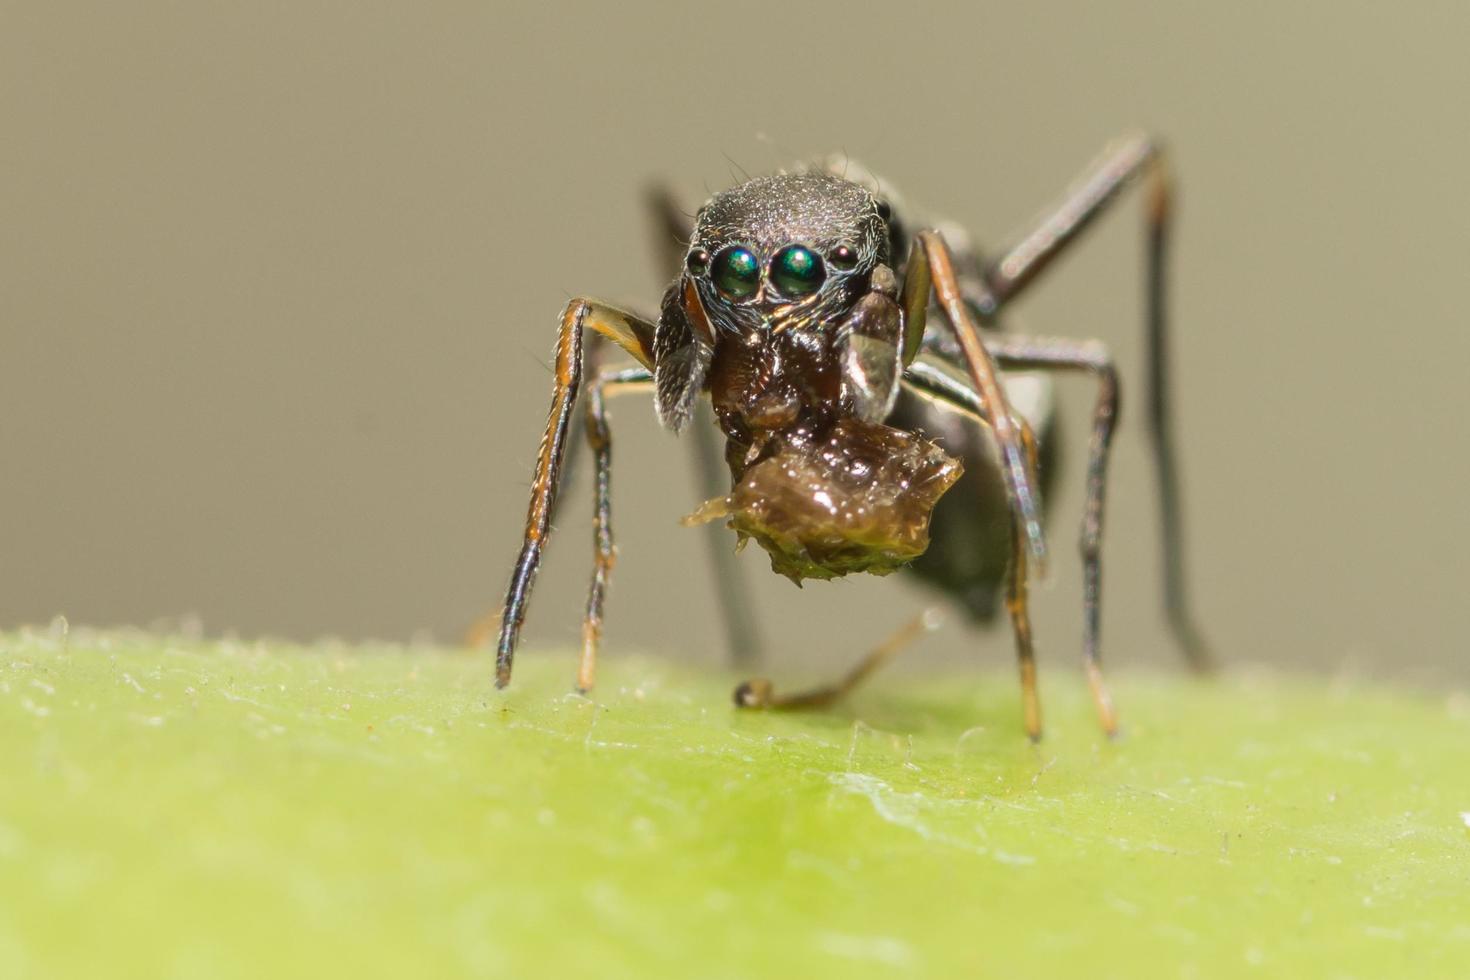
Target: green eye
{"points": [[796, 271], [736, 273]]}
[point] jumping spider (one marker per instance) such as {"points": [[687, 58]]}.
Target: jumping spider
{"points": [[875, 416]]}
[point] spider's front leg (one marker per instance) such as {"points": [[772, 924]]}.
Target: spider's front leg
{"points": [[633, 335], [931, 268]]}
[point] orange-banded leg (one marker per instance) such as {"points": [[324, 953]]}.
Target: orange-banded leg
{"points": [[1014, 268], [931, 267], [599, 438], [634, 335], [760, 693]]}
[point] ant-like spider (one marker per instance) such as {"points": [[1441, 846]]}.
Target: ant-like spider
{"points": [[833, 341]]}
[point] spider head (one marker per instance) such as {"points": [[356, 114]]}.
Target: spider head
{"points": [[785, 251]]}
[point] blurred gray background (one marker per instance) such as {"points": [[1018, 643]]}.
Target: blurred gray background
{"points": [[278, 288]]}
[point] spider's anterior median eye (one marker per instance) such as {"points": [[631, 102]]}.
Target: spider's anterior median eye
{"points": [[736, 272], [796, 271]]}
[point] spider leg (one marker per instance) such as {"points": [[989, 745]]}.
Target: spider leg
{"points": [[1084, 200], [759, 693], [1016, 267], [599, 439], [1055, 354], [1020, 613], [931, 265], [632, 334], [1050, 354], [672, 228], [934, 383]]}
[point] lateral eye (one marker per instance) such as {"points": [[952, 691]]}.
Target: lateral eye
{"points": [[697, 262], [797, 271], [736, 272], [843, 258]]}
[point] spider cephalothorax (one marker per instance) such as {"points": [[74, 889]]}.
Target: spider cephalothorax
{"points": [[785, 251]]}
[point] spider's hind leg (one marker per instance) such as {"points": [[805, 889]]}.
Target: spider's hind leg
{"points": [[1014, 268], [760, 693]]}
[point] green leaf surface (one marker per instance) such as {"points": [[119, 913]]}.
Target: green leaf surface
{"points": [[171, 807]]}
